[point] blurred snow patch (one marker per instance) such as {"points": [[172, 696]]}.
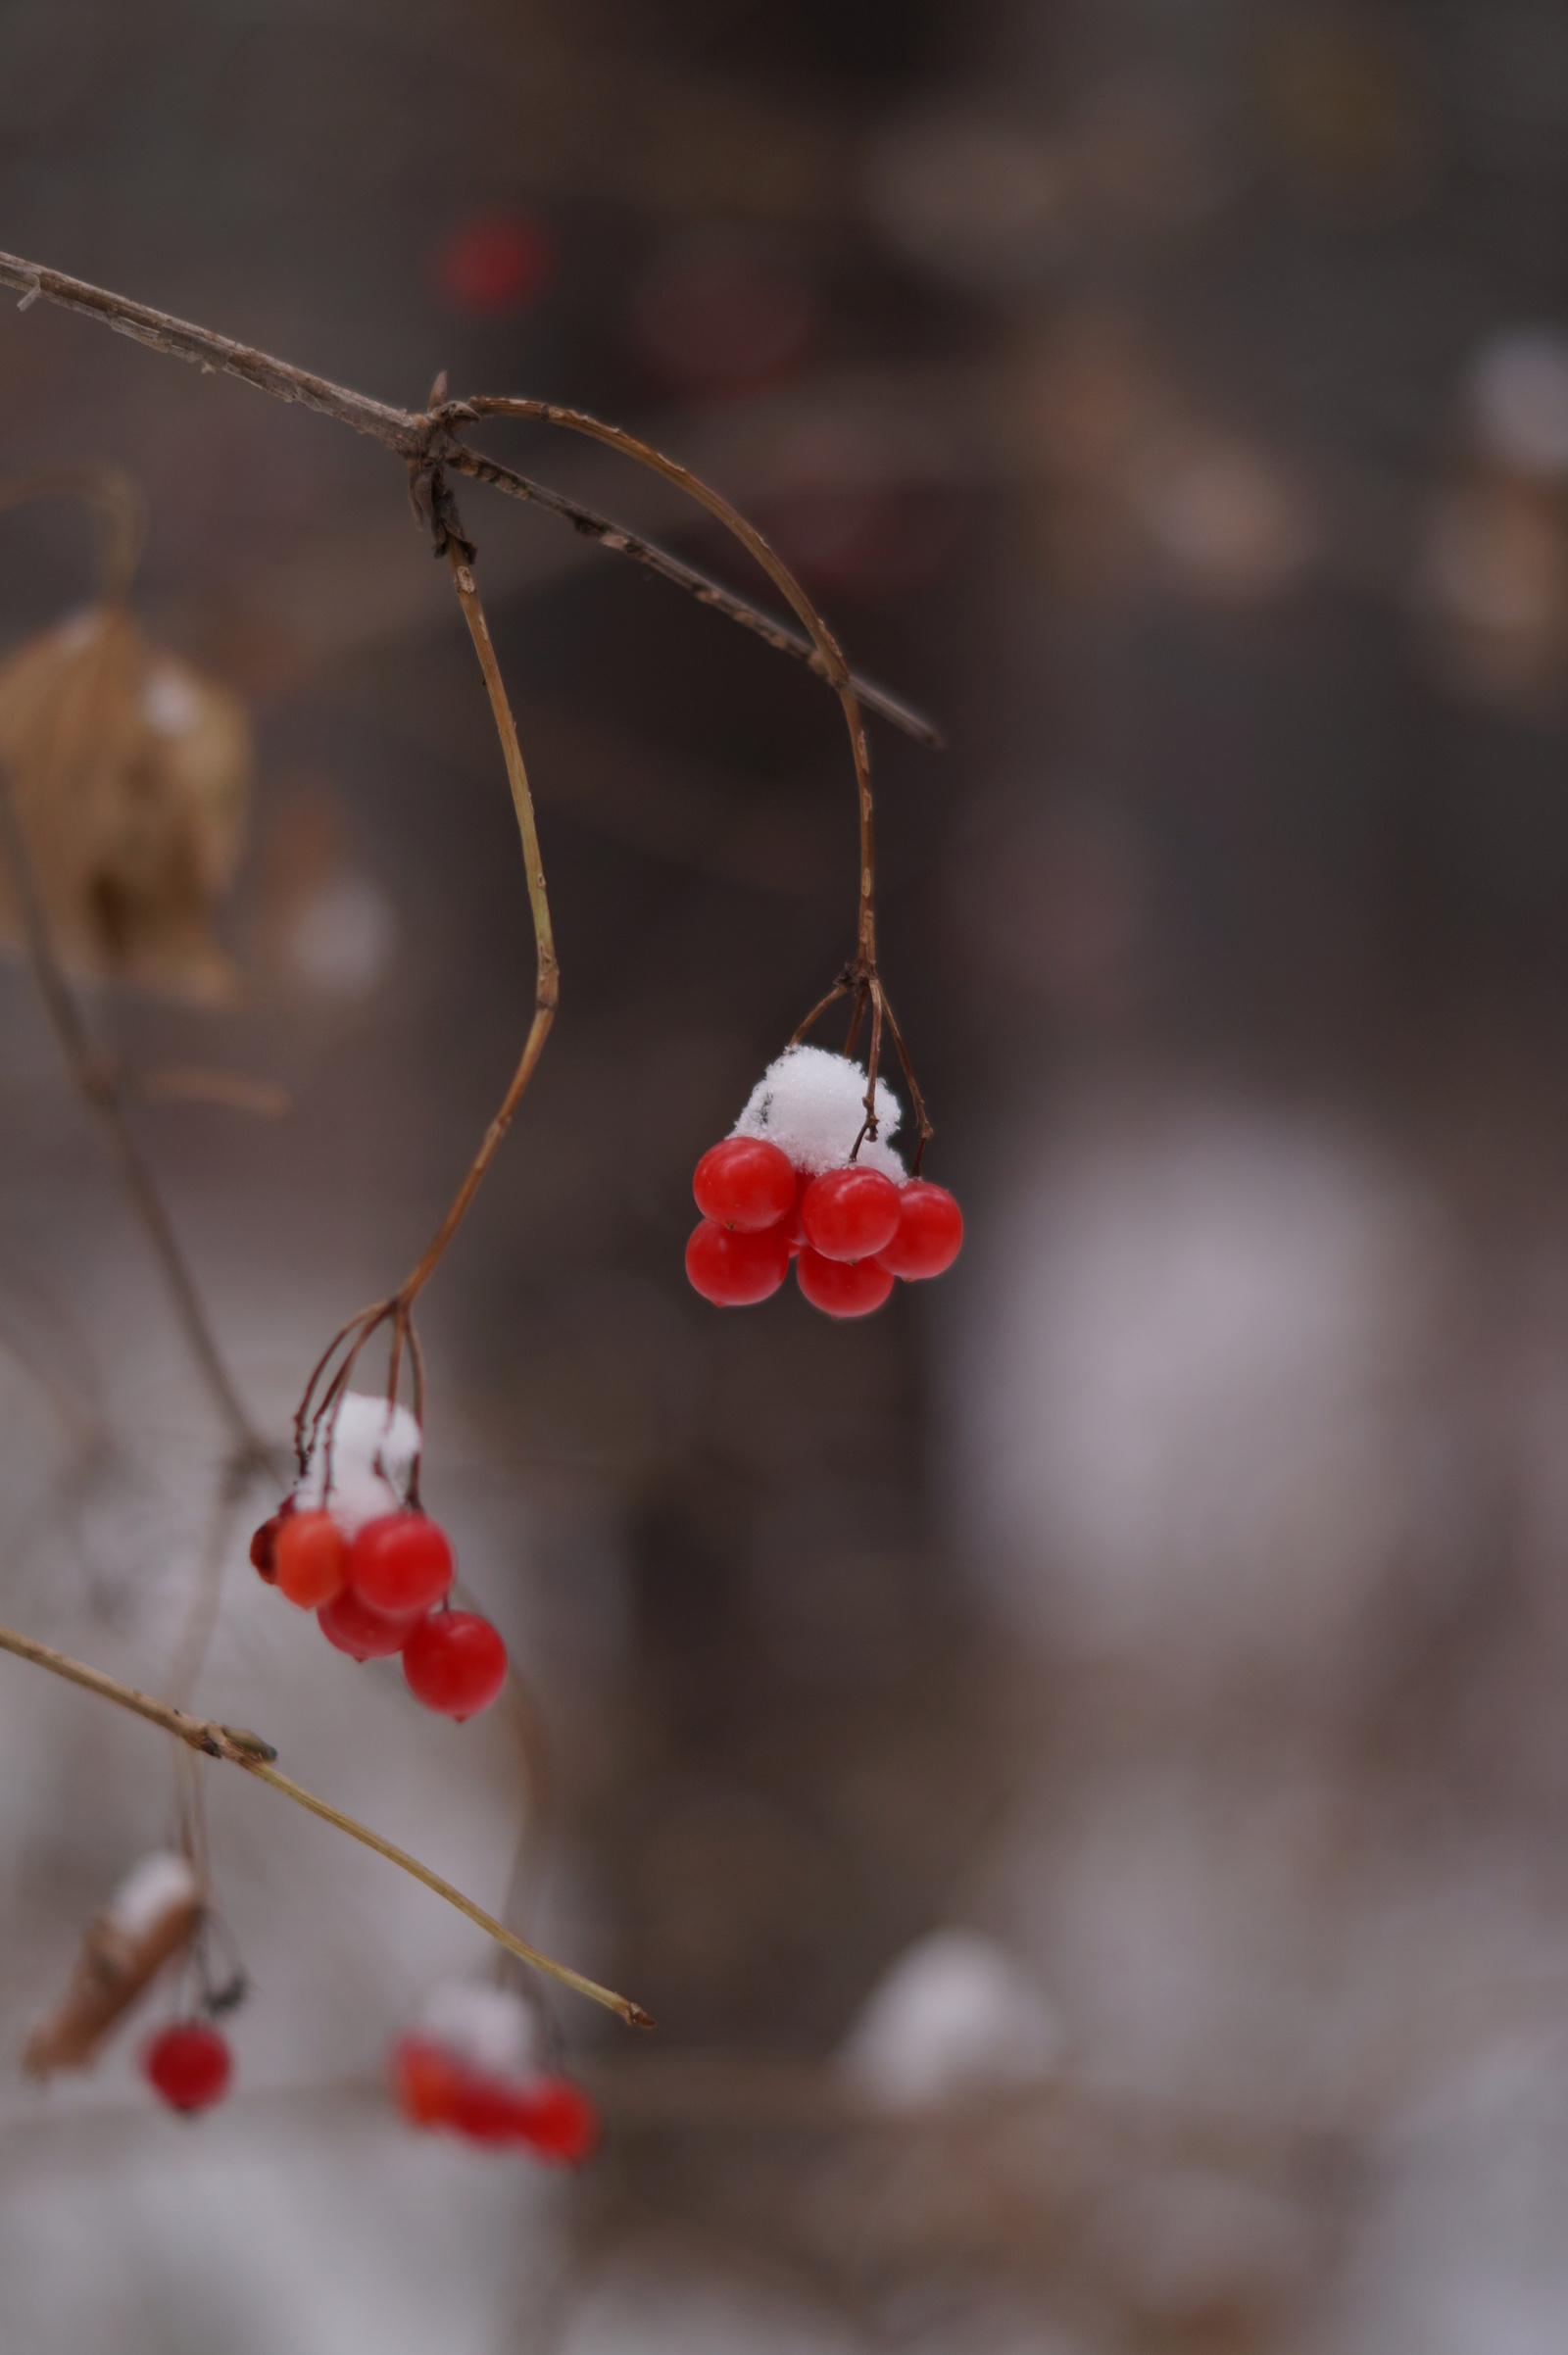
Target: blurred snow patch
{"points": [[955, 2011], [811, 1104], [1191, 1404], [1517, 392], [491, 2029], [343, 939], [641, 2315]]}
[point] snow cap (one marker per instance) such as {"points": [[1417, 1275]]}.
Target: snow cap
{"points": [[373, 1455], [955, 2012], [162, 1883], [811, 1105], [488, 2029]]}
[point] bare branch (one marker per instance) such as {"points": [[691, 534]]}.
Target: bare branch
{"points": [[240, 1748], [409, 434]]}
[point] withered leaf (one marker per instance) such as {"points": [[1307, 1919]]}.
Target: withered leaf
{"points": [[129, 777], [151, 1917]]}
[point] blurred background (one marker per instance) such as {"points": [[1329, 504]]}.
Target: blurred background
{"points": [[1076, 1765]]}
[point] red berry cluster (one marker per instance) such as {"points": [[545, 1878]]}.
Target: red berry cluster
{"points": [[435, 2088], [188, 2063], [383, 1591], [848, 1231]]}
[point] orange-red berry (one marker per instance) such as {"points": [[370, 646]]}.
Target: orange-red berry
{"points": [[311, 1559]]}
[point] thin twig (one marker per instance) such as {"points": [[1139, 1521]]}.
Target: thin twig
{"points": [[830, 655], [409, 434], [99, 1089], [546, 972], [862, 974], [240, 1748]]}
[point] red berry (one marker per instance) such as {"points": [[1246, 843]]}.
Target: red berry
{"points": [[264, 1546], [850, 1213], [557, 2118], [744, 1183], [426, 2083], [735, 1270], [842, 1286], [311, 1559], [364, 1634], [484, 2108], [400, 1564], [455, 1662], [189, 2064], [930, 1232], [495, 263]]}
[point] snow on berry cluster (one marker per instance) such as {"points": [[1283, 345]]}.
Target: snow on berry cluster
{"points": [[376, 1570], [470, 2065], [783, 1186]]}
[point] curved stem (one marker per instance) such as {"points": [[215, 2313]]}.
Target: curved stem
{"points": [[240, 1748], [547, 981], [831, 654], [98, 1086]]}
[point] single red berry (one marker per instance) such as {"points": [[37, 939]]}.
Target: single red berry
{"points": [[495, 263], [189, 2064], [735, 1270], [264, 1545], [364, 1634], [557, 2118], [743, 1183], [426, 2083], [842, 1286], [929, 1234], [400, 1564], [455, 1662], [311, 1559], [850, 1213]]}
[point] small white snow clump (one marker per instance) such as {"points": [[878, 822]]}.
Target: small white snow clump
{"points": [[811, 1105], [490, 2029], [956, 2011], [373, 1454], [162, 1884]]}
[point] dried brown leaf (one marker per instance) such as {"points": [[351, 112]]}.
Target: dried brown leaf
{"points": [[129, 776]]}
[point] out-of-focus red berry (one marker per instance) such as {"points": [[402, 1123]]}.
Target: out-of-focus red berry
{"points": [[842, 1286], [735, 1270], [743, 1183], [557, 2119], [485, 2108], [188, 2063], [311, 1559], [364, 1634], [716, 317], [929, 1234], [850, 1213], [264, 1545], [455, 1662], [401, 1564], [426, 2083], [493, 264]]}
